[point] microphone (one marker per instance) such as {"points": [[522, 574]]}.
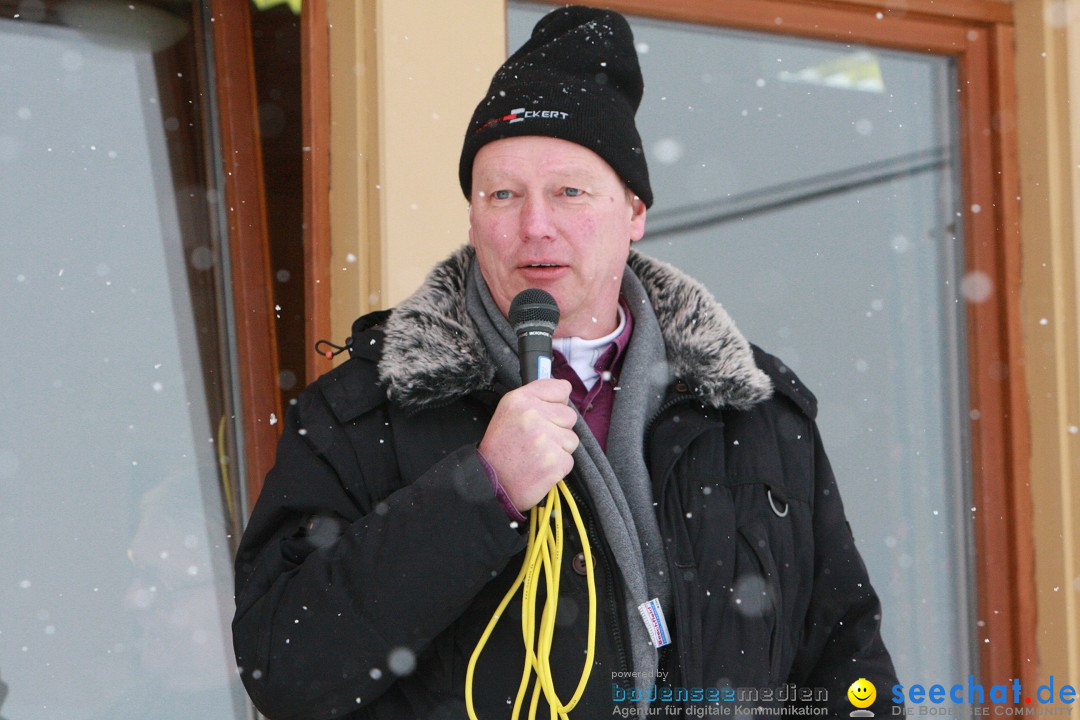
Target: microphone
{"points": [[534, 315]]}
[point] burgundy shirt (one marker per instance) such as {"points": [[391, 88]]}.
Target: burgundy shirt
{"points": [[595, 405]]}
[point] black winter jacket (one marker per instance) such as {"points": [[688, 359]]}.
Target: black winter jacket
{"points": [[377, 552]]}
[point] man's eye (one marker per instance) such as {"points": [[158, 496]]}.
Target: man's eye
{"points": [[501, 195], [573, 192]]}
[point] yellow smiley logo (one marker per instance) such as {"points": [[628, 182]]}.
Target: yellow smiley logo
{"points": [[862, 693]]}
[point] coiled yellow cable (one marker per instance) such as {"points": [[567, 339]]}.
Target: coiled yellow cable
{"points": [[543, 555]]}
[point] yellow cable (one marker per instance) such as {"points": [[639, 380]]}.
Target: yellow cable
{"points": [[543, 554], [590, 578], [223, 466], [552, 555]]}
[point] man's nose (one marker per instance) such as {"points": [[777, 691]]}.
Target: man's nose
{"points": [[536, 218]]}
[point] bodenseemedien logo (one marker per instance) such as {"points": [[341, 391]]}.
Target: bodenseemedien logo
{"points": [[862, 694]]}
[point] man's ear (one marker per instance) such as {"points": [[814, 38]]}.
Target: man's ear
{"points": [[472, 240], [637, 218]]}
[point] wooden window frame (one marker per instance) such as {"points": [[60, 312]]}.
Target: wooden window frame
{"points": [[978, 35], [249, 251], [248, 242]]}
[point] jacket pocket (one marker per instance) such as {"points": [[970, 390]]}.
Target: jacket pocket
{"points": [[761, 593]]}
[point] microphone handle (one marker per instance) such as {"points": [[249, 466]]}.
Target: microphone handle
{"points": [[534, 353]]}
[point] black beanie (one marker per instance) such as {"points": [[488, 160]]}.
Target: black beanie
{"points": [[577, 78]]}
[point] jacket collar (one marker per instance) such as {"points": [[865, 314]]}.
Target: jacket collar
{"points": [[432, 352]]}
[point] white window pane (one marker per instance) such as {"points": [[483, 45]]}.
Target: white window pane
{"points": [[116, 589]]}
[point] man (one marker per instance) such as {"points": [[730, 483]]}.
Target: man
{"points": [[394, 520]]}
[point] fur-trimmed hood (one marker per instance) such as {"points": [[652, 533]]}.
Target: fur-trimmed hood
{"points": [[433, 352]]}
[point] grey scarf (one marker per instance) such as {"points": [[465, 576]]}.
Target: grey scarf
{"points": [[618, 483]]}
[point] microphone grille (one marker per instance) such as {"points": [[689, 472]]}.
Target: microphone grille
{"points": [[534, 310]]}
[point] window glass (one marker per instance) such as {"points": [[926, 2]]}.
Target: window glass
{"points": [[116, 494], [812, 187]]}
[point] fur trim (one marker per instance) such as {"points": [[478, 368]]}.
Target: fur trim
{"points": [[433, 352], [704, 348]]}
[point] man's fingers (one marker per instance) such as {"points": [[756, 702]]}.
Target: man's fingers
{"points": [[563, 416], [551, 390], [530, 440], [549, 397]]}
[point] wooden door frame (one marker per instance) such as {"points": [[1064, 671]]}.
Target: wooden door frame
{"points": [[315, 80]]}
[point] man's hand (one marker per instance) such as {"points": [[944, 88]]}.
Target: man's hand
{"points": [[530, 440]]}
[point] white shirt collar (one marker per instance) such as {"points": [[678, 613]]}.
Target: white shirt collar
{"points": [[582, 355]]}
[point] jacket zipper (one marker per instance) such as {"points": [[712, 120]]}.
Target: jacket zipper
{"points": [[616, 616], [665, 407], [667, 652]]}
